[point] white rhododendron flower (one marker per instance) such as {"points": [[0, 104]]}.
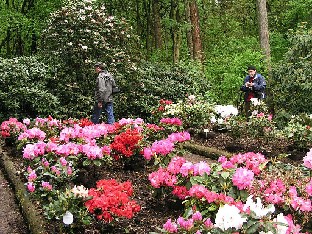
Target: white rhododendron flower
{"points": [[282, 225], [255, 101], [257, 207], [229, 217]]}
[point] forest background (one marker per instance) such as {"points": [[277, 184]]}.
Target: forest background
{"points": [[157, 49]]}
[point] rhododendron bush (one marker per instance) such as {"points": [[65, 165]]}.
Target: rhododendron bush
{"points": [[245, 193]]}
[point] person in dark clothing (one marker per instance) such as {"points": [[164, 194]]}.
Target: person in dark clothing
{"points": [[103, 94], [254, 87]]}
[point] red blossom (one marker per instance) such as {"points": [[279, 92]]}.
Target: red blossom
{"points": [[111, 199], [126, 142]]}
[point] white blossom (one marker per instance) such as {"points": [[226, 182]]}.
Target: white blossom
{"points": [[282, 225], [258, 208], [229, 217]]}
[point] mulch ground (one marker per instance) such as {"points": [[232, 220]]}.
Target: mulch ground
{"points": [[11, 219]]}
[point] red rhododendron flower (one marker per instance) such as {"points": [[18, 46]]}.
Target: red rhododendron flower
{"points": [[111, 199], [126, 142]]}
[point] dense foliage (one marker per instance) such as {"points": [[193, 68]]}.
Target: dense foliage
{"points": [[23, 88], [77, 36], [291, 81]]}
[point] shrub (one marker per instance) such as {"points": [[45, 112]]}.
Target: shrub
{"points": [[23, 88], [155, 81], [291, 83], [77, 36]]}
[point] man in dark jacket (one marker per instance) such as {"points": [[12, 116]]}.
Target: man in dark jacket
{"points": [[254, 87], [103, 94]]}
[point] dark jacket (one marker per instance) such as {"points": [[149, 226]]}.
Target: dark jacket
{"points": [[103, 87], [258, 88]]}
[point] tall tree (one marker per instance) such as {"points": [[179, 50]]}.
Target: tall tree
{"points": [[189, 29], [175, 30], [157, 25], [196, 38], [264, 31]]}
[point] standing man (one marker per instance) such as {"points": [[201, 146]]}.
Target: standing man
{"points": [[254, 87], [103, 94]]}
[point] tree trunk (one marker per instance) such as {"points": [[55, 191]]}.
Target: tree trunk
{"points": [[157, 25], [148, 27], [175, 30], [197, 43], [189, 30], [264, 31]]}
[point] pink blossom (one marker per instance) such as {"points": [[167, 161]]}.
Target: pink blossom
{"points": [[171, 121], [180, 191], [187, 169], [175, 165], [26, 121], [46, 186], [170, 227], [30, 187], [179, 137], [106, 150], [309, 188], [63, 161], [198, 191], [45, 162], [92, 152], [208, 223], [307, 160], [162, 177], [55, 170], [185, 224], [162, 147], [242, 178], [201, 168], [197, 216], [147, 153], [32, 176], [69, 171]]}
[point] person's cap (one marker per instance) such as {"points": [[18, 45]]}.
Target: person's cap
{"points": [[100, 65], [251, 68]]}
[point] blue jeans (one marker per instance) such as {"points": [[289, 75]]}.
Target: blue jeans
{"points": [[108, 107]]}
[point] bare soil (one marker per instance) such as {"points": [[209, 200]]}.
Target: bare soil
{"points": [[11, 219]]}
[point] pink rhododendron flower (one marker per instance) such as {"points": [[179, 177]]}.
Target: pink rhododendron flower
{"points": [[187, 169], [147, 153], [46, 186], [242, 178], [198, 191], [180, 191], [45, 162], [185, 224], [208, 223], [32, 176], [63, 161], [175, 165], [162, 147], [69, 171], [162, 177], [201, 168], [170, 227], [197, 216], [307, 160], [179, 137], [309, 188], [30, 187], [26, 121], [171, 121]]}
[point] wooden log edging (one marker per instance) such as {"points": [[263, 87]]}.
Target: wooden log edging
{"points": [[33, 218], [209, 152]]}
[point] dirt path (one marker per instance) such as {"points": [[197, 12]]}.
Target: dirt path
{"points": [[11, 220]]}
